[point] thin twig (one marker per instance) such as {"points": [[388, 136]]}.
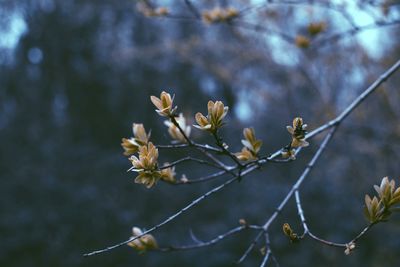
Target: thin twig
{"points": [[321, 240], [175, 215], [260, 28], [357, 101], [301, 213], [352, 32], [268, 251], [250, 248], [213, 241], [295, 187], [206, 146], [200, 148], [193, 9], [189, 158], [302, 177], [166, 221], [201, 179], [220, 144]]}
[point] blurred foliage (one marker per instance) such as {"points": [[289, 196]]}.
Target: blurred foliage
{"points": [[83, 71]]}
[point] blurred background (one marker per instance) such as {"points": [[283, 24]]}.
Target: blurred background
{"points": [[75, 75]]}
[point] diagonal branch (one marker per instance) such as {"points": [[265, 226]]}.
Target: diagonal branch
{"points": [[193, 9], [357, 101], [295, 187]]}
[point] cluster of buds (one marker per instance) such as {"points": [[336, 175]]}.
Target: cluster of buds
{"points": [[298, 133], [378, 208], [216, 113], [140, 138], [315, 28], [146, 166], [143, 243], [251, 146], [287, 230], [150, 11], [174, 131], [219, 14]]}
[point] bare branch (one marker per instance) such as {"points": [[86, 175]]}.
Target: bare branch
{"points": [[353, 31], [220, 143], [250, 248], [191, 159], [295, 187], [193, 9], [323, 241], [169, 219], [201, 179], [357, 101], [268, 251], [212, 241]]}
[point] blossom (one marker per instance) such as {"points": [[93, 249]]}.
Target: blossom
{"points": [[250, 140], [216, 113], [379, 207], [174, 132], [168, 175], [148, 178], [163, 104], [131, 145], [298, 132], [245, 155], [251, 145], [146, 165], [372, 207], [143, 243], [147, 160], [387, 192]]}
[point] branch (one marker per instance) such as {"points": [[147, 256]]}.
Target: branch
{"points": [[177, 214], [212, 241], [295, 187], [193, 9], [323, 241], [357, 101], [303, 176], [258, 28], [220, 144], [200, 147], [331, 124], [201, 179], [189, 158], [353, 31], [166, 221], [267, 253]]}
